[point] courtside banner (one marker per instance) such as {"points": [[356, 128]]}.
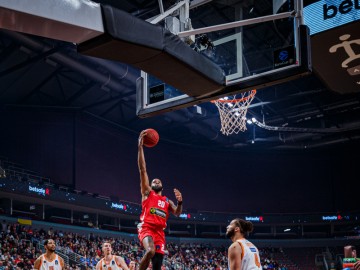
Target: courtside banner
{"points": [[336, 57]]}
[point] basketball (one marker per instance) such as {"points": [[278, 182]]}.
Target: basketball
{"points": [[151, 138]]}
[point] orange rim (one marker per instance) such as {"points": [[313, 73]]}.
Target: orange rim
{"points": [[253, 92]]}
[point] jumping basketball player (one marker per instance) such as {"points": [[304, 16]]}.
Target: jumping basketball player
{"points": [[155, 212], [110, 262], [242, 254], [49, 260]]}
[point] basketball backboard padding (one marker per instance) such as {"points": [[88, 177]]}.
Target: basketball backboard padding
{"points": [[156, 51], [57, 19]]}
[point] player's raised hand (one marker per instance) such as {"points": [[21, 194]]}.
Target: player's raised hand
{"points": [[178, 195], [141, 137]]}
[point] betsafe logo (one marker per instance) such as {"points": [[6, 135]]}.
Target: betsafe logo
{"points": [[346, 6], [39, 190], [258, 219], [119, 206]]}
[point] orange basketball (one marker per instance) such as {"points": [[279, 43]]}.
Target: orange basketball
{"points": [[151, 138]]}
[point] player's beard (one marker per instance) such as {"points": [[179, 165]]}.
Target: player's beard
{"points": [[51, 250], [230, 234], [157, 188]]}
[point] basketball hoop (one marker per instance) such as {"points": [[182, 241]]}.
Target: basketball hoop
{"points": [[232, 112]]}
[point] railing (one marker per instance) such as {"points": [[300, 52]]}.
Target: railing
{"points": [[17, 170], [76, 258], [28, 242], [20, 173]]}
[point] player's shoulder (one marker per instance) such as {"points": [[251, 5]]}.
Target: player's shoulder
{"points": [[98, 263], [235, 247], [233, 244], [61, 260], [38, 259], [37, 262], [119, 258], [120, 261]]}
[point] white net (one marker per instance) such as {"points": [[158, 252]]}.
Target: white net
{"points": [[233, 111]]}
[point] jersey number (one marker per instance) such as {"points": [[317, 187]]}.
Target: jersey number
{"points": [[161, 203]]}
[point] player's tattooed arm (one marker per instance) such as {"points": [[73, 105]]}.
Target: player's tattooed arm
{"points": [[177, 210]]}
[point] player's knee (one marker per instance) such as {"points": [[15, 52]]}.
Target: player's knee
{"points": [[150, 252]]}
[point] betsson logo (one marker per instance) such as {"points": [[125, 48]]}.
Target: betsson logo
{"points": [[330, 11], [40, 191]]}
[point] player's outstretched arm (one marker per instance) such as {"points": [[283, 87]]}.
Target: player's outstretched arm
{"points": [[121, 262], [144, 178], [177, 210]]}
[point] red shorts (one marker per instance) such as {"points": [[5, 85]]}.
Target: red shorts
{"points": [[157, 235]]}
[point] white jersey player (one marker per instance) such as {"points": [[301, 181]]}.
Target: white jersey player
{"points": [[242, 254], [110, 262], [49, 260]]}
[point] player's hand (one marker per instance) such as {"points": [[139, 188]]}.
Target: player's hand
{"points": [[141, 137], [357, 265], [178, 195]]}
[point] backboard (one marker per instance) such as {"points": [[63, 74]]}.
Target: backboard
{"points": [[255, 49]]}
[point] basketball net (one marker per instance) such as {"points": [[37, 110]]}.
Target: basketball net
{"points": [[233, 111]]}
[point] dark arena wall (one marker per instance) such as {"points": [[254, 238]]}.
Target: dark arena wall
{"points": [[77, 150]]}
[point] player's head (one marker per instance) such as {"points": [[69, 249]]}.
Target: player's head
{"points": [[156, 185], [106, 248], [239, 228], [132, 265], [49, 245]]}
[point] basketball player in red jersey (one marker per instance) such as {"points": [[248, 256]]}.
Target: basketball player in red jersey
{"points": [[155, 212]]}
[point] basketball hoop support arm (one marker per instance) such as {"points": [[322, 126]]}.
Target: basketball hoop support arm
{"points": [[163, 15], [237, 24]]}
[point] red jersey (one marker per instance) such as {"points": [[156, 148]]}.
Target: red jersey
{"points": [[155, 210]]}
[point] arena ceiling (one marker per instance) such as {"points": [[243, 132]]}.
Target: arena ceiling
{"points": [[37, 73]]}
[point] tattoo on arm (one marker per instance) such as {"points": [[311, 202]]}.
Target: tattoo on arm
{"points": [[176, 209]]}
